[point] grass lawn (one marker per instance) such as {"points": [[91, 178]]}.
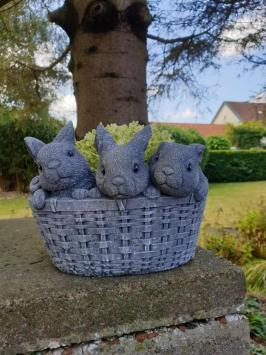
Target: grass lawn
{"points": [[14, 205], [226, 202]]}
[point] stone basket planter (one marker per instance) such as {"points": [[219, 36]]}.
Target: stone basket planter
{"points": [[104, 237]]}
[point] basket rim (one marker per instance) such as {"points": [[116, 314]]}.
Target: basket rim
{"points": [[106, 204]]}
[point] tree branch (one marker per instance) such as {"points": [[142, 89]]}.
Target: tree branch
{"points": [[8, 4], [177, 39], [37, 68]]}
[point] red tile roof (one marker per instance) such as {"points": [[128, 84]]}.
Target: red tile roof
{"points": [[205, 130], [246, 111]]}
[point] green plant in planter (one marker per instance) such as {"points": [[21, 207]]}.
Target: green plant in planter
{"points": [[218, 143], [122, 134]]}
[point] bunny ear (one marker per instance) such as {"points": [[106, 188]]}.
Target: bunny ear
{"points": [[66, 134], [103, 140], [141, 139], [34, 145], [199, 150]]}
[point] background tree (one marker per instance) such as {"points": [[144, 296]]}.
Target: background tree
{"points": [[108, 48], [25, 36]]}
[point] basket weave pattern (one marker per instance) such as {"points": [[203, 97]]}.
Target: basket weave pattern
{"points": [[100, 237]]}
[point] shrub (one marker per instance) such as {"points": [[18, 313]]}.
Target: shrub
{"points": [[186, 136], [122, 134], [233, 166], [256, 277], [218, 143], [244, 244], [229, 247], [256, 317], [247, 135], [252, 227], [16, 165]]}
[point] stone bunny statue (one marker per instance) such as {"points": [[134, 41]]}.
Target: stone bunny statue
{"points": [[63, 171], [175, 170], [122, 172]]}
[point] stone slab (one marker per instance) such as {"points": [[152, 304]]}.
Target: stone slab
{"points": [[40, 306], [226, 336]]}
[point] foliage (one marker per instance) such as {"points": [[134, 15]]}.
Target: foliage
{"points": [[256, 317], [244, 244], [257, 350], [229, 247], [187, 136], [17, 166], [233, 166], [191, 36], [218, 143], [122, 134], [253, 228], [26, 39], [189, 42], [247, 135], [256, 276]]}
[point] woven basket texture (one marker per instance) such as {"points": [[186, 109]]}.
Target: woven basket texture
{"points": [[102, 237]]}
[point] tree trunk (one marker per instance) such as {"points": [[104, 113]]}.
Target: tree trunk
{"points": [[108, 59]]}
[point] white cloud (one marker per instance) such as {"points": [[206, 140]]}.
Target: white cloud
{"points": [[247, 25], [64, 107], [44, 55], [185, 116]]}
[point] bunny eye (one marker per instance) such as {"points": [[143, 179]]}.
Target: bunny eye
{"points": [[70, 153], [136, 168], [39, 167], [189, 167], [157, 157], [103, 171]]}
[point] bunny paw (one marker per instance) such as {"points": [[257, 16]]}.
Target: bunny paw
{"points": [[151, 192], [38, 199], [95, 193], [35, 184], [80, 194], [200, 195]]}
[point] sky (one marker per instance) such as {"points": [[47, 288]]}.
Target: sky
{"points": [[231, 83]]}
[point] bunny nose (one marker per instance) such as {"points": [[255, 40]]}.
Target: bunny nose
{"points": [[118, 180], [54, 163], [167, 170]]}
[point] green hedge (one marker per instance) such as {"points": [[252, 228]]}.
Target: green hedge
{"points": [[233, 166], [218, 143], [16, 165], [247, 135]]}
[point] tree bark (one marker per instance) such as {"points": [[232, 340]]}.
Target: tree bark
{"points": [[108, 59]]}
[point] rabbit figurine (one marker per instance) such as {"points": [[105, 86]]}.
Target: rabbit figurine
{"points": [[63, 171], [175, 170], [122, 172]]}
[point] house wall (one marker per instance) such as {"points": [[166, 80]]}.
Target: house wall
{"points": [[225, 116]]}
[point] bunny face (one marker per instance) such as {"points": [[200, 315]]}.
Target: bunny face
{"points": [[60, 165], [175, 168], [122, 172]]}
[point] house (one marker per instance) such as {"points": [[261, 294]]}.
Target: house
{"points": [[205, 130], [235, 113]]}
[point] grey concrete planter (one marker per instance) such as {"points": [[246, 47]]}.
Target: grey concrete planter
{"points": [[104, 237]]}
